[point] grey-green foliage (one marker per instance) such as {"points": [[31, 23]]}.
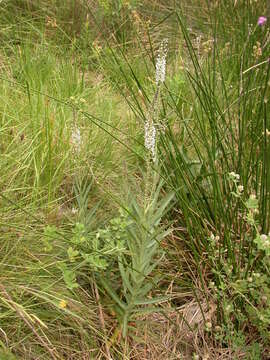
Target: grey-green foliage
{"points": [[131, 239], [144, 234]]}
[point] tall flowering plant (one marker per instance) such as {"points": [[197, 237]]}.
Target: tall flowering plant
{"points": [[144, 231]]}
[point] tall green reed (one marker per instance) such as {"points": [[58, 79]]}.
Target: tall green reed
{"points": [[227, 133]]}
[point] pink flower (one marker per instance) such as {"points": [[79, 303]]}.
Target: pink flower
{"points": [[262, 20]]}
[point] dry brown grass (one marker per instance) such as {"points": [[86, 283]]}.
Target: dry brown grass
{"points": [[179, 335]]}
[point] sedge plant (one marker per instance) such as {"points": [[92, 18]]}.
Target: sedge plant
{"points": [[225, 130]]}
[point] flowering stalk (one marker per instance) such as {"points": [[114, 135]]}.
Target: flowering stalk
{"points": [[150, 127]]}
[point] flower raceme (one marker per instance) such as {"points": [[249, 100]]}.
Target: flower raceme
{"points": [[150, 131], [76, 139], [161, 62], [150, 138]]}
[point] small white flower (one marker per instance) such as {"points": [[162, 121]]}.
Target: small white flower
{"points": [[264, 237], [266, 132], [234, 176], [240, 188], [250, 29], [267, 243]]}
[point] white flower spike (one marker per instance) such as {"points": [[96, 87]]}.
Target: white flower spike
{"points": [[76, 139], [161, 62]]}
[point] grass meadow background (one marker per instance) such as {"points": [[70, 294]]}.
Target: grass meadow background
{"points": [[111, 248]]}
